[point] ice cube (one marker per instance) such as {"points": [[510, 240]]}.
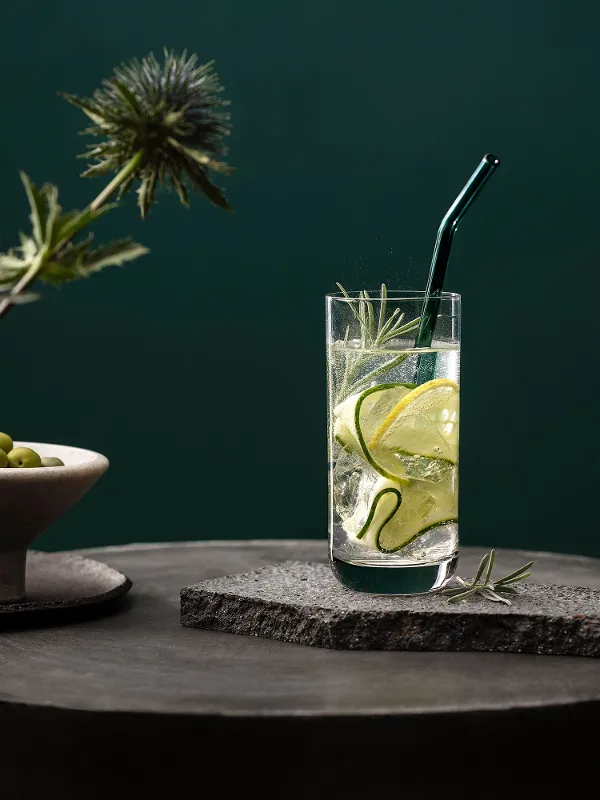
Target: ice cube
{"points": [[353, 482], [433, 470]]}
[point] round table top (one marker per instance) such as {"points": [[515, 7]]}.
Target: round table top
{"points": [[140, 659]]}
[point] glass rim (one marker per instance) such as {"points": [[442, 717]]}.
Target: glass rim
{"points": [[392, 294]]}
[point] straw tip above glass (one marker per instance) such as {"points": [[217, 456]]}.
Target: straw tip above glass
{"points": [[491, 159]]}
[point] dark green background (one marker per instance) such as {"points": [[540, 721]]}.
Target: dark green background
{"points": [[199, 370]]}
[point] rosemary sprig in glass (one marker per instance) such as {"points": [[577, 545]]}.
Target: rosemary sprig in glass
{"points": [[484, 585], [375, 332]]}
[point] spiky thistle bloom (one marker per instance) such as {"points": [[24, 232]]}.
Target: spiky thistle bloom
{"points": [[162, 124]]}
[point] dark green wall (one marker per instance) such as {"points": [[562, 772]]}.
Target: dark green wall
{"points": [[199, 370]]}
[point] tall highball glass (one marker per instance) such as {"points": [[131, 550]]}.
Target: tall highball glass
{"points": [[393, 413]]}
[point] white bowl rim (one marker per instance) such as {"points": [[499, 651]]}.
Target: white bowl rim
{"points": [[91, 462]]}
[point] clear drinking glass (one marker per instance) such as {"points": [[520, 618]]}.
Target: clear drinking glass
{"points": [[393, 442]]}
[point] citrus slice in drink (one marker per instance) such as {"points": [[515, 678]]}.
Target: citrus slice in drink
{"points": [[397, 516], [358, 418], [423, 422]]}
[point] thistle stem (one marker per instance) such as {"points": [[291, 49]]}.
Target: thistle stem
{"points": [[119, 178], [29, 277], [26, 280]]}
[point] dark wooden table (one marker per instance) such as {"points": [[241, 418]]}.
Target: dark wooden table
{"points": [[133, 704]]}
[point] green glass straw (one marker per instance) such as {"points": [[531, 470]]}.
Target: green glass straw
{"points": [[439, 262]]}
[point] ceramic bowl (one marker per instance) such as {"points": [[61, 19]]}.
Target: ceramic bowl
{"points": [[32, 499]]}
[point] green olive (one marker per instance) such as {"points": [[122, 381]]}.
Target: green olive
{"points": [[3, 459], [6, 443], [50, 461], [24, 457]]}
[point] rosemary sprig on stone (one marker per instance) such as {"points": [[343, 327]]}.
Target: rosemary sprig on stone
{"points": [[375, 332], [484, 585]]}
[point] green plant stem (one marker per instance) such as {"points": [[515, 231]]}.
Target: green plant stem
{"points": [[116, 182], [25, 281], [29, 277]]}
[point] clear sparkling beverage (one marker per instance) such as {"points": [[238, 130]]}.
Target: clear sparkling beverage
{"points": [[393, 423]]}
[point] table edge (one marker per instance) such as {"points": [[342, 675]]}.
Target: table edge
{"points": [[232, 543]]}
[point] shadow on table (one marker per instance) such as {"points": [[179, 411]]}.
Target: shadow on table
{"points": [[65, 616]]}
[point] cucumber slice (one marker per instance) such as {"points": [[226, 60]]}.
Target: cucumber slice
{"points": [[358, 418], [398, 516], [385, 504]]}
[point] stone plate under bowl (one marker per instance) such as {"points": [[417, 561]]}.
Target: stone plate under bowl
{"points": [[62, 587]]}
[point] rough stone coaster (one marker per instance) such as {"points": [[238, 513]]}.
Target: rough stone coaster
{"points": [[303, 603]]}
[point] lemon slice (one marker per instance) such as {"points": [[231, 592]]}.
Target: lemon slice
{"points": [[397, 516], [358, 418], [423, 422]]}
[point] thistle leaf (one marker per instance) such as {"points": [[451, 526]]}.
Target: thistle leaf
{"points": [[12, 262], [38, 207], [86, 106], [205, 160], [28, 248], [65, 218], [101, 168], [53, 210], [18, 299], [57, 273], [128, 96], [210, 190], [146, 192], [65, 266], [78, 261], [70, 224], [181, 190], [125, 185], [8, 278], [112, 255]]}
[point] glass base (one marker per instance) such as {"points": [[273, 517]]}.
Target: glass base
{"points": [[394, 580]]}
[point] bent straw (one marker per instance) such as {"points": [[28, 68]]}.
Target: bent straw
{"points": [[439, 261]]}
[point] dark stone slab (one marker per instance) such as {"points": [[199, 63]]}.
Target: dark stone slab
{"points": [[61, 587], [303, 603]]}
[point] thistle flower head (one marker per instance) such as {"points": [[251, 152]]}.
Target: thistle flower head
{"points": [[161, 124]]}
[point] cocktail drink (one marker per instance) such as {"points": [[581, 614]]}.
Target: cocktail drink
{"points": [[393, 417]]}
